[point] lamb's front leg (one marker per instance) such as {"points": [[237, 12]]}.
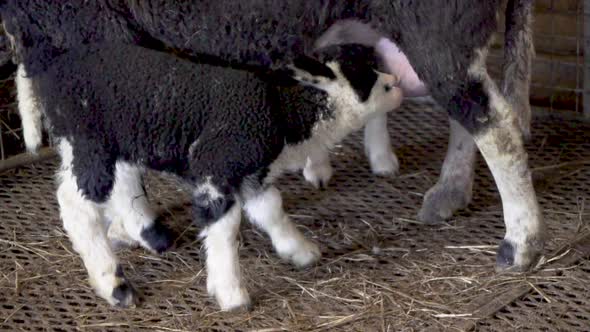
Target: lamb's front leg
{"points": [[381, 157], [221, 213], [265, 210], [318, 169]]}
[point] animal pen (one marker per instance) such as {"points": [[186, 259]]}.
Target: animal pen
{"points": [[381, 270]]}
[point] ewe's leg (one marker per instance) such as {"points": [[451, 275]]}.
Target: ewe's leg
{"points": [[265, 210], [132, 219], [494, 127], [82, 219], [453, 190], [519, 52], [378, 146], [318, 169]]}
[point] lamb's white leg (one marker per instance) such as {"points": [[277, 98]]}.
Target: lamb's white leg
{"points": [[132, 219], [318, 169], [83, 222], [266, 211], [224, 280], [378, 146]]}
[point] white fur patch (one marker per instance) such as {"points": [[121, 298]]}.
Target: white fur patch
{"points": [[224, 280], [29, 109], [128, 206], [82, 220]]}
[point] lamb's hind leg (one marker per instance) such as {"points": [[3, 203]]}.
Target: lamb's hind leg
{"points": [[218, 209], [84, 224], [132, 220]]}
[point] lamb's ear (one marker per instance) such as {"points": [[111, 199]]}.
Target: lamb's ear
{"points": [[309, 71], [348, 31]]}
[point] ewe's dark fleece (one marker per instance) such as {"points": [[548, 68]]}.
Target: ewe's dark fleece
{"points": [[438, 37], [122, 102]]}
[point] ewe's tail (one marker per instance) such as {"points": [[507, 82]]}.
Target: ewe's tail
{"points": [[29, 109]]}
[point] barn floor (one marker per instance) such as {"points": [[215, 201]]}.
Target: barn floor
{"points": [[381, 270]]}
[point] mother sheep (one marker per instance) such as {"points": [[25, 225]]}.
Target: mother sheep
{"points": [[445, 42]]}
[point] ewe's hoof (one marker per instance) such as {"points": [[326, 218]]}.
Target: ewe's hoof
{"points": [[515, 258], [441, 202]]}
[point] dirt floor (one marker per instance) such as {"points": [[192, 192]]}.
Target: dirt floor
{"points": [[381, 270]]}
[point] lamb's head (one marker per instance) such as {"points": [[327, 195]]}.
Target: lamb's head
{"points": [[352, 76]]}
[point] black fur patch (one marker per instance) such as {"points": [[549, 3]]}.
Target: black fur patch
{"points": [[207, 211], [357, 63], [158, 236], [119, 271], [313, 67], [470, 107]]}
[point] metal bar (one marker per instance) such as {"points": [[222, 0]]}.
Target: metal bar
{"points": [[26, 158], [586, 58]]}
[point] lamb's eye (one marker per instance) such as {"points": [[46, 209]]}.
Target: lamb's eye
{"points": [[387, 87]]}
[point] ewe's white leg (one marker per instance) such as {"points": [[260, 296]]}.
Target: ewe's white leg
{"points": [[132, 220], [83, 222], [29, 110], [318, 169], [266, 211], [378, 146], [224, 280], [502, 146]]}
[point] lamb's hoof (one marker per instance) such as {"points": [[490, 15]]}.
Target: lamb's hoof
{"points": [[114, 287], [318, 174], [124, 295], [515, 258], [384, 164], [441, 202], [157, 238], [234, 299], [306, 254]]}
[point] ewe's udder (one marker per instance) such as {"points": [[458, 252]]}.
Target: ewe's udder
{"points": [[398, 64]]}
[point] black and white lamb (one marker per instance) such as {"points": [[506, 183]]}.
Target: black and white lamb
{"points": [[118, 109], [446, 44]]}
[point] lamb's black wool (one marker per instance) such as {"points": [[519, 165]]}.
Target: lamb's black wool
{"points": [[117, 102], [117, 108]]}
